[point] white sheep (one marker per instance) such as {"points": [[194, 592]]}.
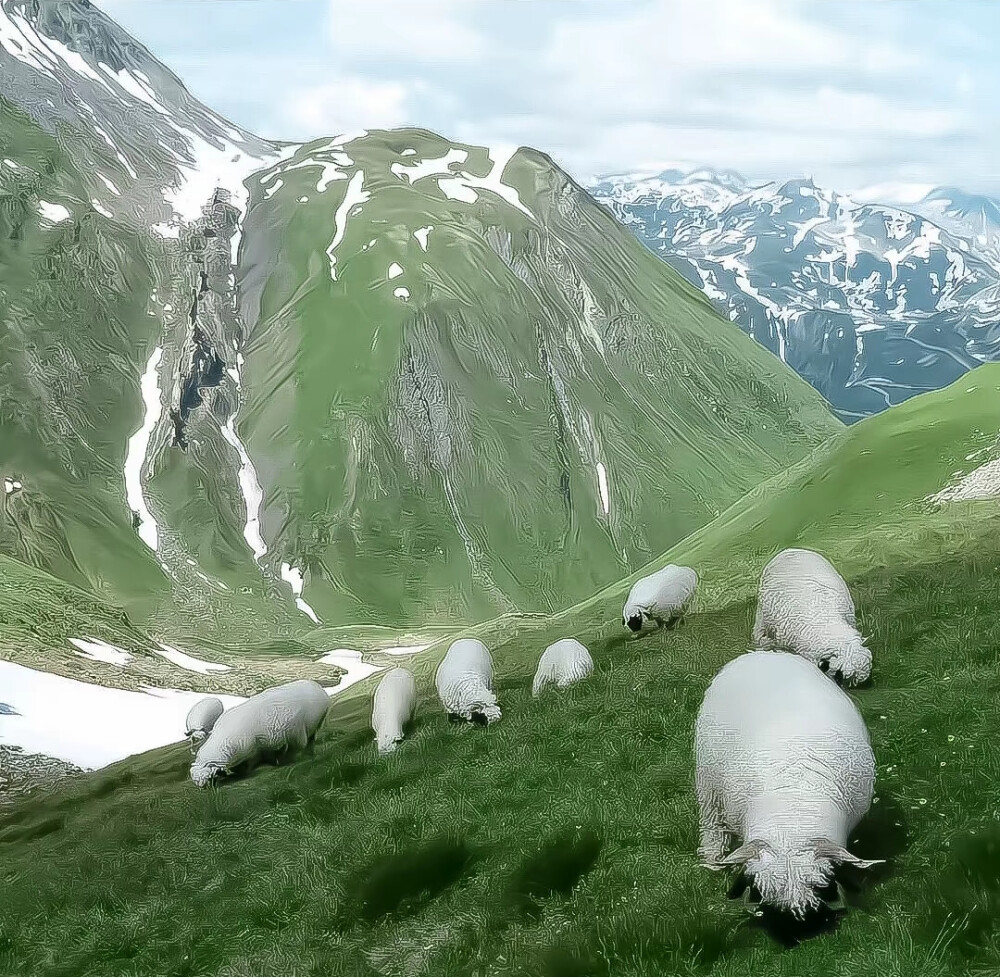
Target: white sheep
{"points": [[662, 597], [804, 606], [464, 681], [783, 766], [393, 705], [201, 718], [562, 664], [270, 723]]}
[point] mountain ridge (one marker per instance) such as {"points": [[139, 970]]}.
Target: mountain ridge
{"points": [[870, 303]]}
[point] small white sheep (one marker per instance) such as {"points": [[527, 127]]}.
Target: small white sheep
{"points": [[270, 723], [464, 681], [562, 664], [393, 705], [804, 606], [783, 766], [662, 597], [202, 717]]}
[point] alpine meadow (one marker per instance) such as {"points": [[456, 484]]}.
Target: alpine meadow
{"points": [[279, 417]]}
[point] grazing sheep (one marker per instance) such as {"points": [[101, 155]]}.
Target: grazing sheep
{"points": [[804, 606], [662, 597], [562, 664], [783, 767], [267, 724], [464, 682], [393, 706], [203, 716]]}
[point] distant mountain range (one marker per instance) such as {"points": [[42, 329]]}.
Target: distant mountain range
{"points": [[868, 302]]}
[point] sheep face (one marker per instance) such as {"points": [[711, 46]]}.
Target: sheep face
{"points": [[387, 742], [205, 770], [632, 618], [848, 665], [486, 716], [790, 878]]}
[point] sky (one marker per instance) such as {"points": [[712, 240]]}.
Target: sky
{"points": [[881, 98]]}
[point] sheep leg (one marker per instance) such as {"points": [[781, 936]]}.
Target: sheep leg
{"points": [[763, 637], [714, 836]]}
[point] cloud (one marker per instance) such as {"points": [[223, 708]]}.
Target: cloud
{"points": [[347, 104], [407, 31]]}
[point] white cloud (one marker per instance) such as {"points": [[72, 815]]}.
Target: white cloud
{"points": [[424, 31], [348, 104]]}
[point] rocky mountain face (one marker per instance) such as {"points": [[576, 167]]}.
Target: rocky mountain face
{"points": [[252, 388], [869, 303]]}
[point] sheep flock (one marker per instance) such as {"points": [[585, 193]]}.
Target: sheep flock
{"points": [[784, 769]]}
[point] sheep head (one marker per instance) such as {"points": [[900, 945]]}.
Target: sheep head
{"points": [[202, 771], [387, 742], [790, 879], [632, 618]]}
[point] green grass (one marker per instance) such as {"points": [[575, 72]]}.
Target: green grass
{"points": [[559, 842]]}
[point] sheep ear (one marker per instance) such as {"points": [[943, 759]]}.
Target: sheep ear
{"points": [[743, 854], [824, 848]]}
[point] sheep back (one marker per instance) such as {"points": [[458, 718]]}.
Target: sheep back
{"points": [[464, 680], [772, 725], [273, 721], [393, 706], [563, 663]]}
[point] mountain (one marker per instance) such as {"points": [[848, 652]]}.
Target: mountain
{"points": [[376, 378], [871, 304]]}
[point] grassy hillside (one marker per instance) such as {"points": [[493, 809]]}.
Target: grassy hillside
{"points": [[470, 391], [561, 842], [73, 332]]}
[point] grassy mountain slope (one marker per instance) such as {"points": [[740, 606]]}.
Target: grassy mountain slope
{"points": [[74, 329], [561, 841], [84, 301], [454, 354]]}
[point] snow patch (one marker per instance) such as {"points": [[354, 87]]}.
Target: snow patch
{"points": [[354, 195], [402, 293], [465, 183], [87, 724], [355, 668], [100, 651], [602, 484], [188, 662], [439, 166], [100, 208], [253, 494], [138, 445], [109, 185], [271, 191], [293, 578], [981, 483], [395, 270], [422, 234], [403, 650], [55, 213]]}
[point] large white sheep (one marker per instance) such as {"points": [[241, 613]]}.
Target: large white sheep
{"points": [[783, 767], [804, 606], [202, 716], [268, 724], [393, 705], [662, 597], [464, 681], [562, 664]]}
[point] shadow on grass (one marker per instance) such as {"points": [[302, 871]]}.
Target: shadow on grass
{"points": [[554, 868], [403, 882], [965, 905]]}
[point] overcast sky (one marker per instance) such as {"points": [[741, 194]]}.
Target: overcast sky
{"points": [[893, 95]]}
